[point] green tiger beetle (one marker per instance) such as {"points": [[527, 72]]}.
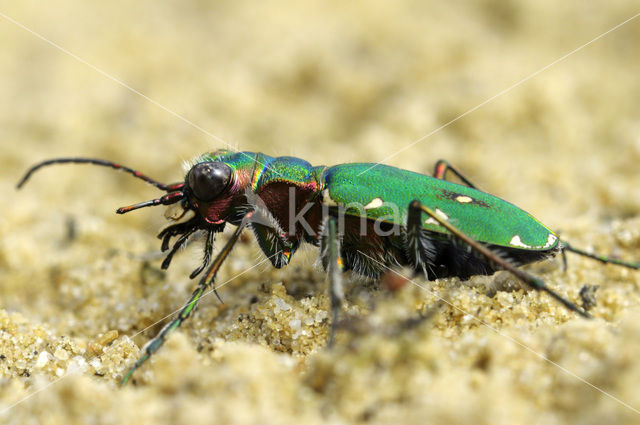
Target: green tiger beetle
{"points": [[386, 217]]}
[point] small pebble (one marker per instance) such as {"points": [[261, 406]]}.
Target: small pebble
{"points": [[61, 354], [43, 358]]}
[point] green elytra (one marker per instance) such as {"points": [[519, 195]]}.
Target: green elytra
{"points": [[437, 227], [483, 217]]}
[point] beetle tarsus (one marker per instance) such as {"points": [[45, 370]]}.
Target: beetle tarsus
{"points": [[601, 258]]}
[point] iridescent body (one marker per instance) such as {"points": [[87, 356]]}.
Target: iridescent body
{"points": [[384, 194], [364, 217]]}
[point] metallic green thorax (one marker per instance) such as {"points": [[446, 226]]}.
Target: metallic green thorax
{"points": [[267, 169]]}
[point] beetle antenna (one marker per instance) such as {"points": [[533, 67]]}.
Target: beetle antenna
{"points": [[101, 162], [168, 199]]}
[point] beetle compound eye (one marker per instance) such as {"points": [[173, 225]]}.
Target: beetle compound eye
{"points": [[208, 179]]}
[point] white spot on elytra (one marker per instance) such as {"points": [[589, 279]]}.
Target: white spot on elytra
{"points": [[463, 199], [516, 241], [375, 203], [550, 240], [440, 214]]}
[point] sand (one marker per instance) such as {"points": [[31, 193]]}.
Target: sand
{"points": [[81, 288]]}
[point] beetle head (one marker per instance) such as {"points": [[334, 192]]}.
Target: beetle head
{"points": [[211, 190]]}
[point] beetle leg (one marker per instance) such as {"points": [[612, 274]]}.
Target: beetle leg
{"points": [[274, 245], [208, 249], [418, 249], [563, 252], [332, 261], [176, 229], [176, 246], [206, 282], [441, 168], [529, 279], [601, 258]]}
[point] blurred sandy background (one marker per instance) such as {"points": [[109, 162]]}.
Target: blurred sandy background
{"points": [[330, 82]]}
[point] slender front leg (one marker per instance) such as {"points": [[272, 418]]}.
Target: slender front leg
{"points": [[274, 244], [332, 261], [529, 279], [208, 250], [206, 282], [441, 168], [176, 246]]}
